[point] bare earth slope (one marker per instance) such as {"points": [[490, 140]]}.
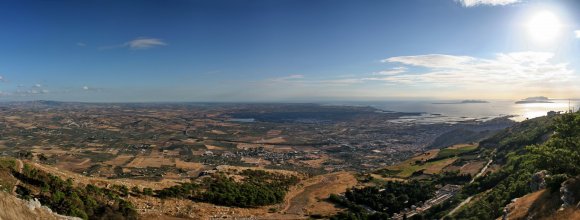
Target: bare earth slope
{"points": [[15, 208]]}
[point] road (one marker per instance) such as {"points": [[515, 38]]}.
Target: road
{"points": [[20, 167], [471, 197]]}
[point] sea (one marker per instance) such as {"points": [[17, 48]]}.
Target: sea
{"points": [[454, 111]]}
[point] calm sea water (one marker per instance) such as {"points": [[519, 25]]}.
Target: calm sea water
{"points": [[451, 113]]}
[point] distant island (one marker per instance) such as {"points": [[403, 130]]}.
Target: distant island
{"points": [[468, 101], [536, 99]]}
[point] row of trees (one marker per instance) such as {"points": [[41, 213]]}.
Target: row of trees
{"points": [[258, 188]]}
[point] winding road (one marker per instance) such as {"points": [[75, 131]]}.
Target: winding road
{"points": [[471, 197]]}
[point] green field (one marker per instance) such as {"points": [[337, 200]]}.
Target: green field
{"points": [[405, 170], [455, 151]]}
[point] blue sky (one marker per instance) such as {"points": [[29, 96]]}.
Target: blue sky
{"points": [[298, 50]]}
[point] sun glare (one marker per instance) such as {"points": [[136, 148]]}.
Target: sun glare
{"points": [[544, 26]]}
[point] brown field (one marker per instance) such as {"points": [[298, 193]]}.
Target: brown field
{"points": [[256, 161], [308, 197], [274, 132], [435, 168], [217, 132], [472, 168], [73, 163], [376, 176], [104, 182], [119, 160], [234, 168], [211, 147], [458, 146], [276, 140], [315, 163], [142, 162], [424, 156], [188, 165]]}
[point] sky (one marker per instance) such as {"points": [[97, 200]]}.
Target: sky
{"points": [[288, 50]]}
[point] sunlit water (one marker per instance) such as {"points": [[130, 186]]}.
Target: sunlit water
{"points": [[452, 113]]}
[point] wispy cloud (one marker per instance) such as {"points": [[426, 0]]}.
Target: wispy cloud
{"points": [[91, 89], [577, 33], [473, 3], [81, 44], [393, 71], [139, 44], [288, 78], [145, 43]]}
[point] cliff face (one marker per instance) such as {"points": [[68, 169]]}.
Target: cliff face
{"points": [[15, 208]]}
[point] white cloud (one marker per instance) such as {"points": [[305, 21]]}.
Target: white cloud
{"points": [[577, 33], [429, 60], [473, 3], [393, 71], [86, 88], [145, 43], [519, 69], [81, 44], [288, 78]]}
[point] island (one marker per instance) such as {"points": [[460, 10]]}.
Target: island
{"points": [[536, 99], [468, 101]]}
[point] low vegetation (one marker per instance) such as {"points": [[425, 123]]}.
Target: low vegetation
{"points": [[88, 202], [559, 155], [384, 200], [257, 188]]}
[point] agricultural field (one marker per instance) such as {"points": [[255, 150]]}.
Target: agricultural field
{"points": [[456, 150], [434, 162]]}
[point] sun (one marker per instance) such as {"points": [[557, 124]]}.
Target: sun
{"points": [[544, 26]]}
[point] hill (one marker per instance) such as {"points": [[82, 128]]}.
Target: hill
{"points": [[538, 154]]}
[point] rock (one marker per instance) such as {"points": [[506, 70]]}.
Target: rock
{"points": [[570, 192], [538, 181]]}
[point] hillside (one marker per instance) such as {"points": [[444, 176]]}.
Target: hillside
{"points": [[14, 208], [539, 154], [527, 171]]}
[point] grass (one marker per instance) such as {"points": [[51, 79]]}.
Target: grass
{"points": [[7, 181], [455, 151], [7, 163], [406, 169]]}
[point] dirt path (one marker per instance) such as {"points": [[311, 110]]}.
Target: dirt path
{"points": [[20, 167], [309, 198], [297, 205], [471, 197]]}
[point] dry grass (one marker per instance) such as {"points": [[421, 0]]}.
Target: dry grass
{"points": [[539, 205], [472, 168], [119, 160], [188, 165], [309, 197], [142, 162], [14, 208]]}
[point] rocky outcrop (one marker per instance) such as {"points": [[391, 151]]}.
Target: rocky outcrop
{"points": [[538, 181], [570, 192], [15, 208]]}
